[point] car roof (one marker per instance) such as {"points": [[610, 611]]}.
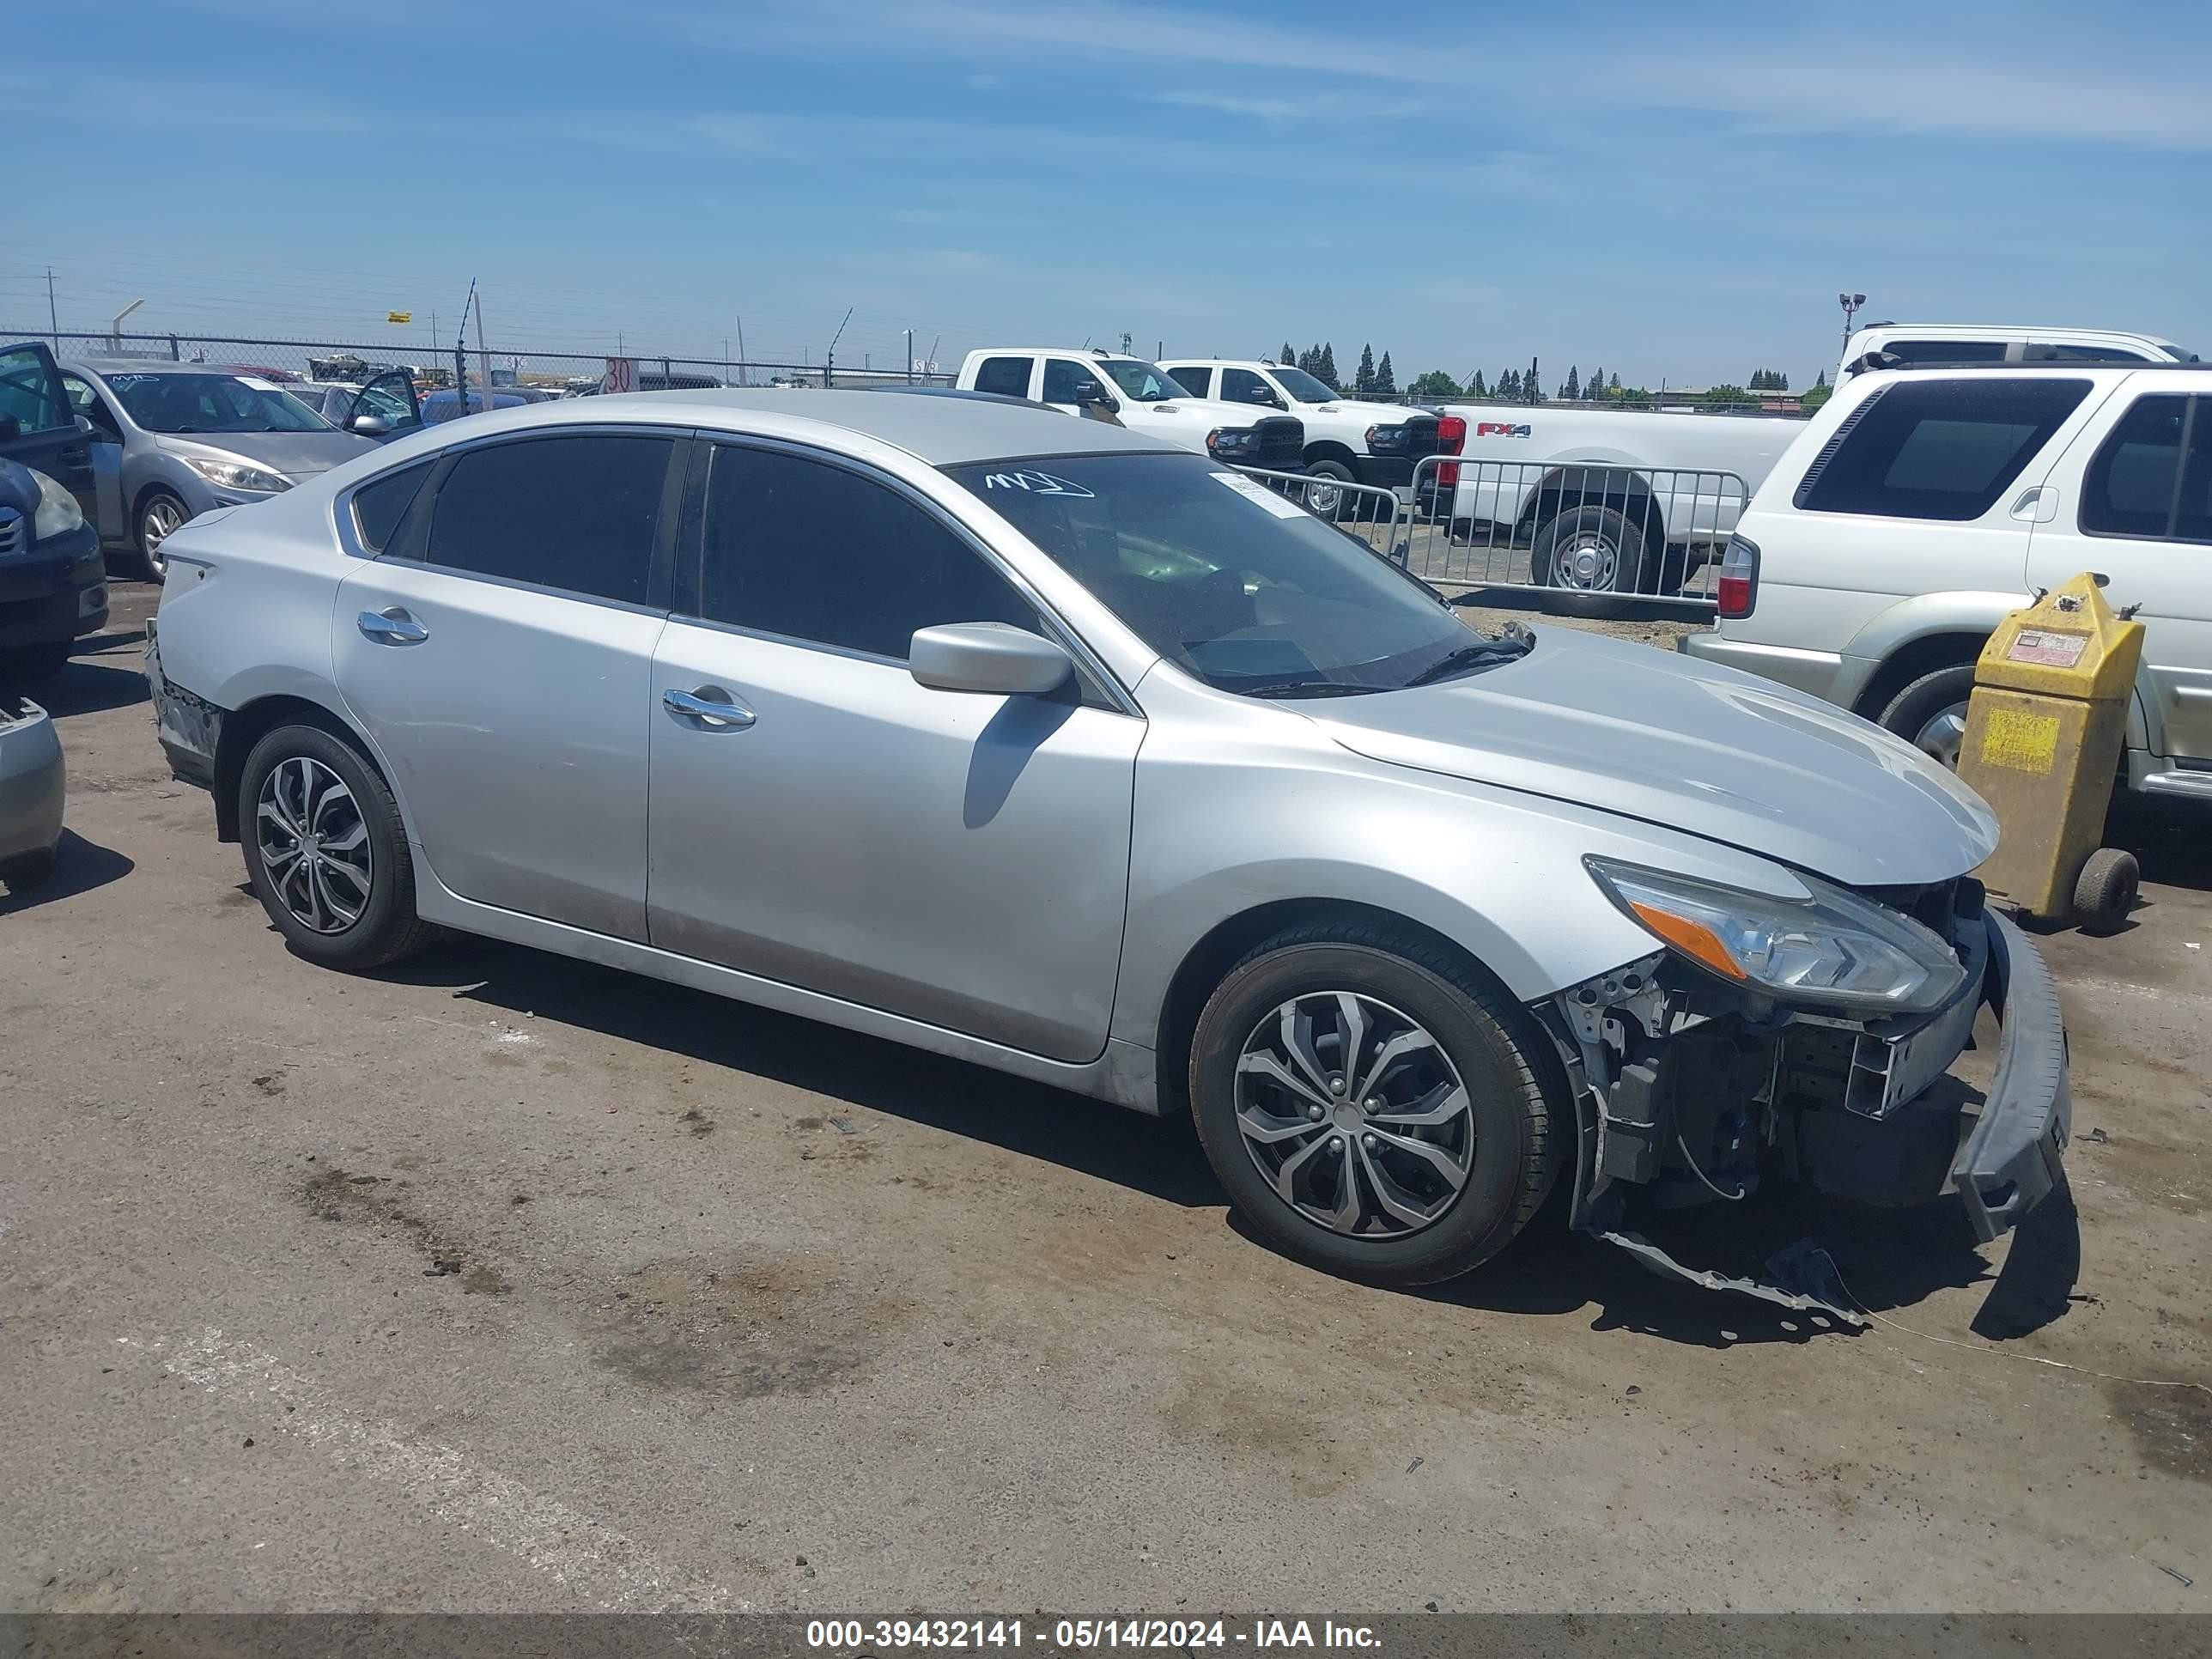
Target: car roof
{"points": [[152, 366], [2013, 332], [941, 431], [1095, 354], [1223, 362]]}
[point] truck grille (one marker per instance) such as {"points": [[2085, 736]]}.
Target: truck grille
{"points": [[1421, 437], [11, 532], [1282, 443]]}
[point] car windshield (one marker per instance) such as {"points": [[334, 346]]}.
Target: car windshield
{"points": [[1225, 578], [1147, 383], [212, 403], [1302, 386]]}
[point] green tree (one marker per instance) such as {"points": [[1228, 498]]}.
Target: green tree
{"points": [[1434, 387], [1819, 394], [1573, 388], [1475, 388], [1386, 383], [1593, 388], [1509, 386], [1362, 382], [1616, 383], [1727, 394], [1288, 357], [1532, 389], [1326, 372]]}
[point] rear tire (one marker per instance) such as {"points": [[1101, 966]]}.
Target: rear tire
{"points": [[1430, 1199], [1930, 713], [328, 859], [1594, 552]]}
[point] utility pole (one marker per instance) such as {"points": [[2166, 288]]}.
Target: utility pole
{"points": [[830, 363], [53, 322], [742, 378], [909, 356]]}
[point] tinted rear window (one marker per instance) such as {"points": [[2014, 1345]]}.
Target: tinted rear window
{"points": [[380, 504], [1007, 376], [575, 512], [1937, 449], [1193, 380]]}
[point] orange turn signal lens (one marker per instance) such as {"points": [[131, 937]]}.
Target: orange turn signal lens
{"points": [[1693, 939]]}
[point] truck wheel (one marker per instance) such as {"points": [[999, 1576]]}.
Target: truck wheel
{"points": [[1590, 549], [1930, 713], [2104, 892], [1373, 1108], [1322, 495], [29, 665], [161, 515]]}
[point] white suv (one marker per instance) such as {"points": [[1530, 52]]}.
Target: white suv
{"points": [[1923, 504]]}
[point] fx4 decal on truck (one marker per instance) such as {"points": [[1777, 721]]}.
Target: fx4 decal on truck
{"points": [[1501, 430]]}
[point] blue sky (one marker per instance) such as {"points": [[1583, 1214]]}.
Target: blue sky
{"points": [[1675, 194]]}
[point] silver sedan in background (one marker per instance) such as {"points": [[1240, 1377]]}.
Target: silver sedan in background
{"points": [[1052, 747], [171, 441]]}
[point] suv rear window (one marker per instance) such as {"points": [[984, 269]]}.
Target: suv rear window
{"points": [[1937, 449]]}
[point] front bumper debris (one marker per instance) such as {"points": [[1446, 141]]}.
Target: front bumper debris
{"points": [[1872, 1144]]}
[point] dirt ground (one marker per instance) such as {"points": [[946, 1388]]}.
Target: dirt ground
{"points": [[503, 1282]]}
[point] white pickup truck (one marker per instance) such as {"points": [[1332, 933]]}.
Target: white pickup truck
{"points": [[1139, 396], [1346, 440], [1623, 501]]}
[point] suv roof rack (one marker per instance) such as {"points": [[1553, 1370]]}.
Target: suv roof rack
{"points": [[1883, 360]]}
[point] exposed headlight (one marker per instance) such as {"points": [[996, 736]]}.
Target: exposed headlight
{"points": [[1380, 440], [1222, 438], [1834, 950], [58, 512], [236, 474]]}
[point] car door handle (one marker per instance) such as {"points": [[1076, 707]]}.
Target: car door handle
{"points": [[720, 711], [391, 627]]}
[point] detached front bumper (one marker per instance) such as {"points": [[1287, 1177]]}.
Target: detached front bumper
{"points": [[2011, 1161]]}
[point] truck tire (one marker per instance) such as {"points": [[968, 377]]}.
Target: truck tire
{"points": [[1455, 1145], [1588, 549], [1326, 503], [1930, 713]]}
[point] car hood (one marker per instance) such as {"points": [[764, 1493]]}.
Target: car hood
{"points": [[295, 454], [1677, 742], [1204, 411], [1373, 414]]}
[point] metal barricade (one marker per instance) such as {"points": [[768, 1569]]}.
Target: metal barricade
{"points": [[1366, 512], [1578, 530]]}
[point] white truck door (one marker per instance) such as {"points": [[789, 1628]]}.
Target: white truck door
{"points": [[2134, 502]]}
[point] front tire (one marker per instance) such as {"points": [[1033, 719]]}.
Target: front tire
{"points": [[1372, 1107], [326, 852], [1323, 497], [161, 515]]}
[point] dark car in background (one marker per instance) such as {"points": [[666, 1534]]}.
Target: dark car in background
{"points": [[53, 584]]}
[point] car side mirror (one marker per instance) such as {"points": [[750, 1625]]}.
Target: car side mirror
{"points": [[1262, 395], [1089, 394], [369, 426], [989, 657]]}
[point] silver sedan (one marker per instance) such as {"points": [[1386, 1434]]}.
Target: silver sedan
{"points": [[1068, 753]]}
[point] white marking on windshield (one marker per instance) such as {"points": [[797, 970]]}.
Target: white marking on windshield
{"points": [[1037, 483]]}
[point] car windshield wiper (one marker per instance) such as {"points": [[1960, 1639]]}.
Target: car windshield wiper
{"points": [[1306, 688], [1509, 647]]}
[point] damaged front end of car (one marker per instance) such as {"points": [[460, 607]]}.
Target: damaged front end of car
{"points": [[1807, 1040]]}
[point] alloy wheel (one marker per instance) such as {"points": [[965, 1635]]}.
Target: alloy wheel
{"points": [[161, 520], [1354, 1114], [1944, 735], [313, 844]]}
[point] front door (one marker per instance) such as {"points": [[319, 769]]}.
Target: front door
{"points": [[391, 404], [956, 858], [106, 439], [38, 428], [499, 651], [2135, 506]]}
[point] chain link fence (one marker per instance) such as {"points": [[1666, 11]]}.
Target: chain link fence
{"points": [[560, 374]]}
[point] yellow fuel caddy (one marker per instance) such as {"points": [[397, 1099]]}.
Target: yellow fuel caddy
{"points": [[2043, 736]]}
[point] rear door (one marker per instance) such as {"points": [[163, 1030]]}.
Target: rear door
{"points": [[1196, 378], [2134, 502], [499, 649], [39, 428]]}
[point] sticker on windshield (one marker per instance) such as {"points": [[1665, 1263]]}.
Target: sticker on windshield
{"points": [[1254, 491], [1034, 484], [256, 383]]}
